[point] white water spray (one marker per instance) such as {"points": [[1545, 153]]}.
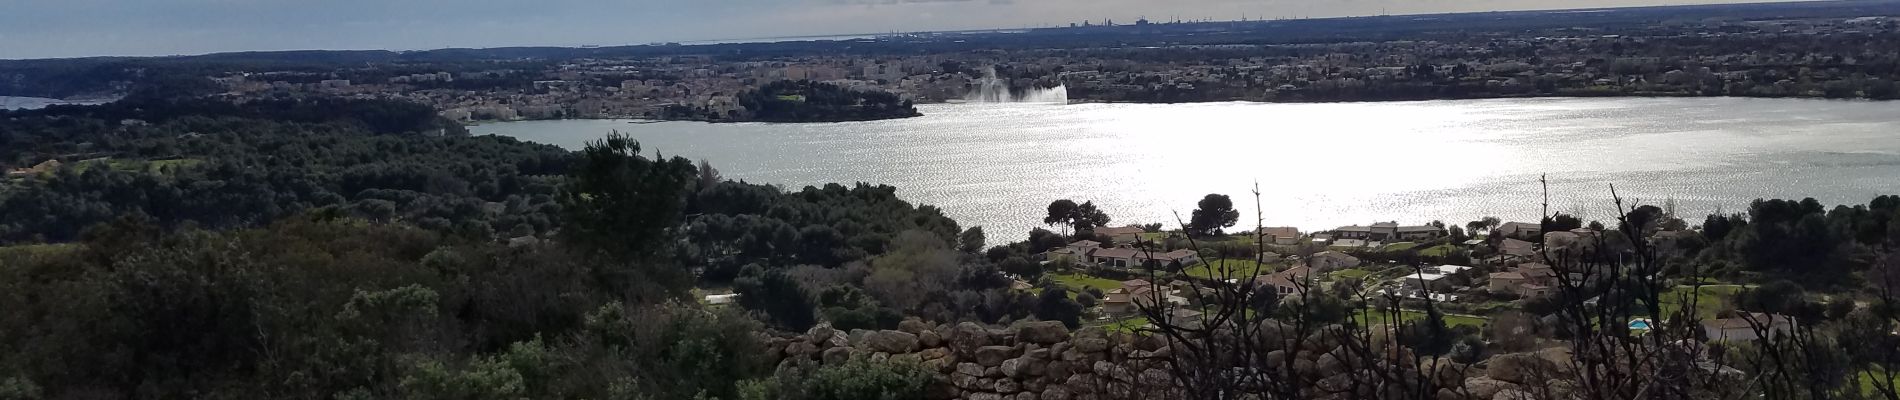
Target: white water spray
{"points": [[991, 89]]}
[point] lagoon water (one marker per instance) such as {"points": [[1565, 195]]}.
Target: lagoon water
{"points": [[1317, 165]]}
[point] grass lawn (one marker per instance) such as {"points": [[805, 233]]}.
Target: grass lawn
{"points": [[1437, 251], [1400, 246], [1225, 268], [1126, 325], [1078, 281], [1710, 300], [1867, 380], [1371, 317], [1351, 273]]}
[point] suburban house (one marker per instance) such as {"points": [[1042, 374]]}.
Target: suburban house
{"points": [[1384, 231], [1428, 281], [1516, 282], [1418, 232], [1513, 248], [1572, 243], [1135, 294], [1332, 260], [1520, 230], [1284, 235], [1742, 327], [1077, 252], [1123, 235], [1288, 282], [1353, 232], [1124, 257]]}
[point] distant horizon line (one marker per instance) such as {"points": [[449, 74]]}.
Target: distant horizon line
{"points": [[1062, 25]]}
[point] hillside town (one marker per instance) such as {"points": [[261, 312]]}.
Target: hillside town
{"points": [[1821, 58]]}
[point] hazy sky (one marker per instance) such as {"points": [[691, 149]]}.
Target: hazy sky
{"points": [[67, 28]]}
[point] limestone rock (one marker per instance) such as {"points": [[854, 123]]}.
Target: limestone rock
{"points": [[1055, 393], [1484, 387], [912, 326], [1059, 370], [929, 339], [933, 353], [838, 339], [1015, 368], [1519, 368], [1091, 345], [967, 337], [1155, 378], [1513, 394], [800, 350], [894, 342], [837, 355], [819, 334], [985, 396], [967, 376], [1044, 332], [1007, 386], [991, 356]]}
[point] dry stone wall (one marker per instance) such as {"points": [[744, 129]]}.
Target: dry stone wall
{"points": [[1028, 361]]}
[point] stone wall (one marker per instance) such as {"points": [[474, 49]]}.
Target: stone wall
{"points": [[1028, 361], [1045, 361]]}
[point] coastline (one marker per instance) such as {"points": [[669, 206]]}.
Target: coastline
{"points": [[649, 120]]}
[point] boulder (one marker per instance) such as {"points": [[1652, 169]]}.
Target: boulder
{"points": [[970, 369], [819, 334], [1513, 394], [1044, 332], [857, 337], [1001, 336], [1518, 368], [800, 349], [933, 353], [912, 326], [1007, 386], [1055, 393], [967, 337], [1091, 345], [1330, 364], [1155, 378], [1484, 387], [838, 339], [967, 376], [1035, 366], [985, 396], [1015, 368], [837, 355], [929, 339], [1058, 371], [894, 342], [991, 356], [992, 372]]}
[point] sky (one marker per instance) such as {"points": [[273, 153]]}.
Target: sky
{"points": [[77, 28]]}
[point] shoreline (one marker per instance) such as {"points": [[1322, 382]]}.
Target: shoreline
{"points": [[647, 120]]}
